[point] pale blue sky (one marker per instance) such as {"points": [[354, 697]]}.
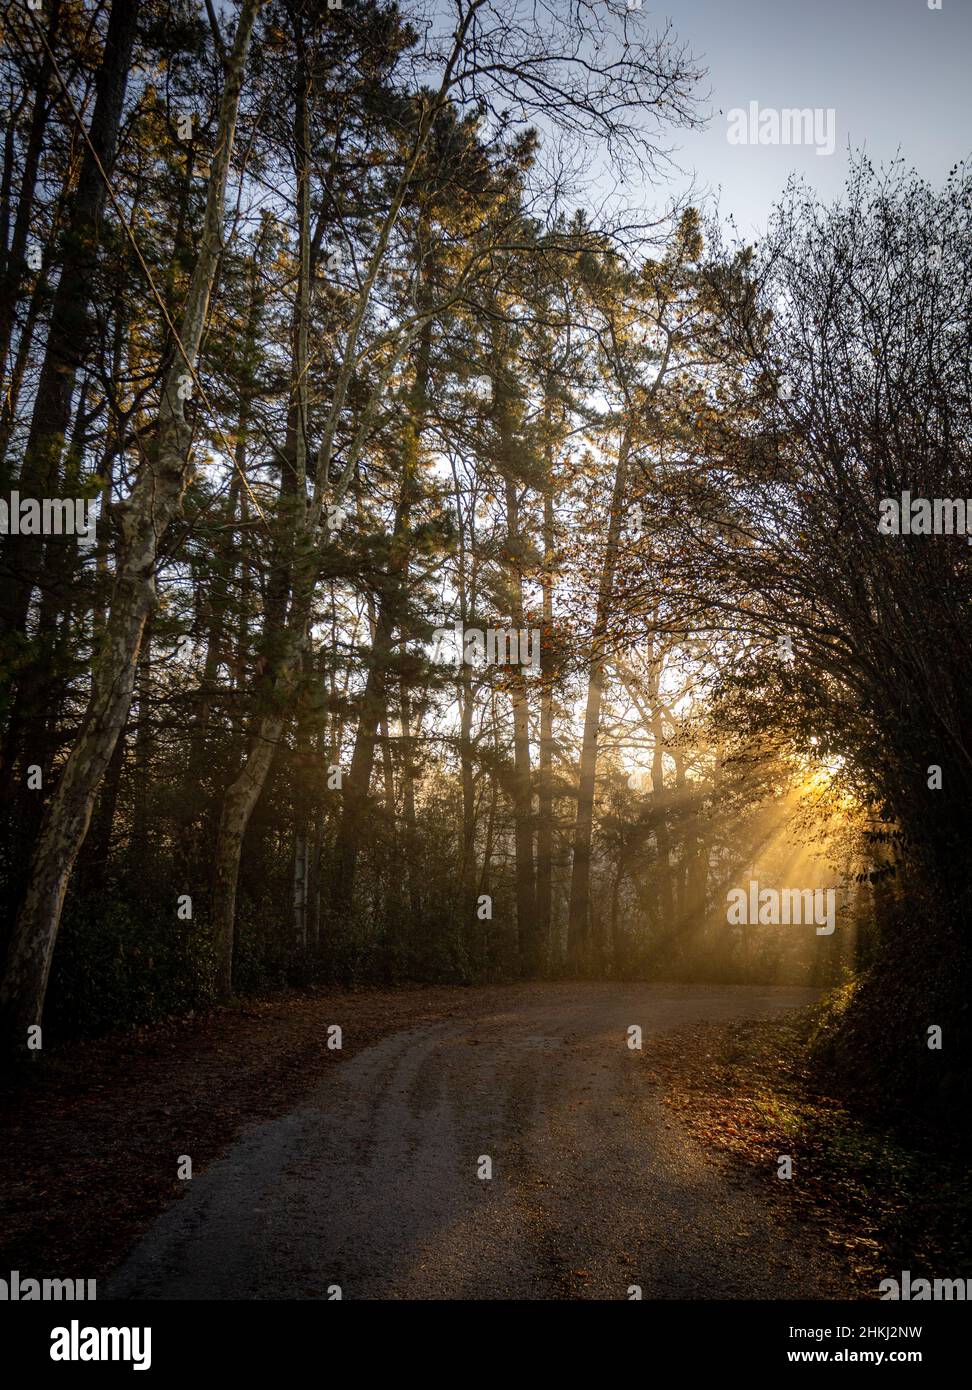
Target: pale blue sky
{"points": [[896, 73]]}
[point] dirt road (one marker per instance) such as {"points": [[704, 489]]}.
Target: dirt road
{"points": [[374, 1184]]}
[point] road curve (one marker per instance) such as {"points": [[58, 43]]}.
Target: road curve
{"points": [[373, 1184]]}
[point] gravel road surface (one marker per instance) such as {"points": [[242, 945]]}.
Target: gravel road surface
{"points": [[373, 1184]]}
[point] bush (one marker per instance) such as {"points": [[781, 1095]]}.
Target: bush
{"points": [[126, 962]]}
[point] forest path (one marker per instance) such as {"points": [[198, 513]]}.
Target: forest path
{"points": [[372, 1184]]}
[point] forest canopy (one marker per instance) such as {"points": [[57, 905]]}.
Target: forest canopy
{"points": [[463, 574]]}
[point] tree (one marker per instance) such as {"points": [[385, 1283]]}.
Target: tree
{"points": [[153, 504]]}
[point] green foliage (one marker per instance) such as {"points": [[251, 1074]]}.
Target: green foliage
{"points": [[127, 961]]}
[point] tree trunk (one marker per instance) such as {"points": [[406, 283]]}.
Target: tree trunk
{"points": [[155, 500], [545, 830], [142, 761], [526, 883], [467, 590], [97, 855], [412, 868], [301, 866], [238, 803], [15, 262], [666, 896], [375, 698], [580, 881], [526, 902], [314, 884], [284, 633], [69, 329]]}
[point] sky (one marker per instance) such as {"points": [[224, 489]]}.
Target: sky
{"points": [[895, 73]]}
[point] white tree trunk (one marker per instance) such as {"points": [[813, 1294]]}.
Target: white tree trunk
{"points": [[155, 500]]}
